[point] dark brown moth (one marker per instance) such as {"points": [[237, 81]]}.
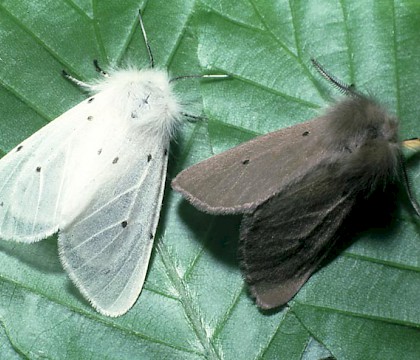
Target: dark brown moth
{"points": [[297, 186]]}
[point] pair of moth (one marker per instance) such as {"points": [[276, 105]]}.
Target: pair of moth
{"points": [[96, 176]]}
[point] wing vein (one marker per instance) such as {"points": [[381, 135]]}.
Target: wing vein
{"points": [[40, 190], [10, 175], [97, 234], [116, 197], [100, 252], [115, 276], [163, 169], [62, 180]]}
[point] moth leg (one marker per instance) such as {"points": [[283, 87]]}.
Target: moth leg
{"points": [[82, 84], [99, 69], [76, 81], [407, 185], [413, 144], [192, 118]]}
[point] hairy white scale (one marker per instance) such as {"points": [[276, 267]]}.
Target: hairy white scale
{"points": [[96, 174]]}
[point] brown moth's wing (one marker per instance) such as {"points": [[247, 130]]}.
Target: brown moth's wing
{"points": [[238, 180], [283, 241]]}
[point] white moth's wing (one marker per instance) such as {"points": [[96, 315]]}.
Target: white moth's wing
{"points": [[97, 175], [106, 248], [112, 203], [34, 177]]}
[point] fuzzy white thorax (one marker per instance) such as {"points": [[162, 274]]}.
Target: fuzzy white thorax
{"points": [[145, 97]]}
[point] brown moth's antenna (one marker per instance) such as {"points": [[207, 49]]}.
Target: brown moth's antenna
{"points": [[347, 89], [149, 50]]}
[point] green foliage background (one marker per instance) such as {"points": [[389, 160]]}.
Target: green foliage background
{"points": [[363, 305]]}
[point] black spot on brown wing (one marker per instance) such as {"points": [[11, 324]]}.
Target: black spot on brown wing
{"points": [[90, 100], [90, 118], [115, 160], [19, 148], [245, 161], [99, 151], [306, 133], [149, 157], [124, 224], [38, 169], [151, 236]]}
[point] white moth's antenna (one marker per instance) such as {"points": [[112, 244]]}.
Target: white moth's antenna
{"points": [[152, 61], [149, 50]]}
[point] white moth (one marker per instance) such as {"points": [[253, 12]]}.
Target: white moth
{"points": [[96, 175]]}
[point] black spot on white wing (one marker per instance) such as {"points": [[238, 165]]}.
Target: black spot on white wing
{"points": [[90, 100], [19, 148], [115, 160], [149, 157], [165, 152], [124, 224], [90, 118], [133, 115], [151, 236], [99, 151], [38, 169], [1, 204]]}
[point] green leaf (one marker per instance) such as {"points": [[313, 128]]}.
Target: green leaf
{"points": [[363, 305]]}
